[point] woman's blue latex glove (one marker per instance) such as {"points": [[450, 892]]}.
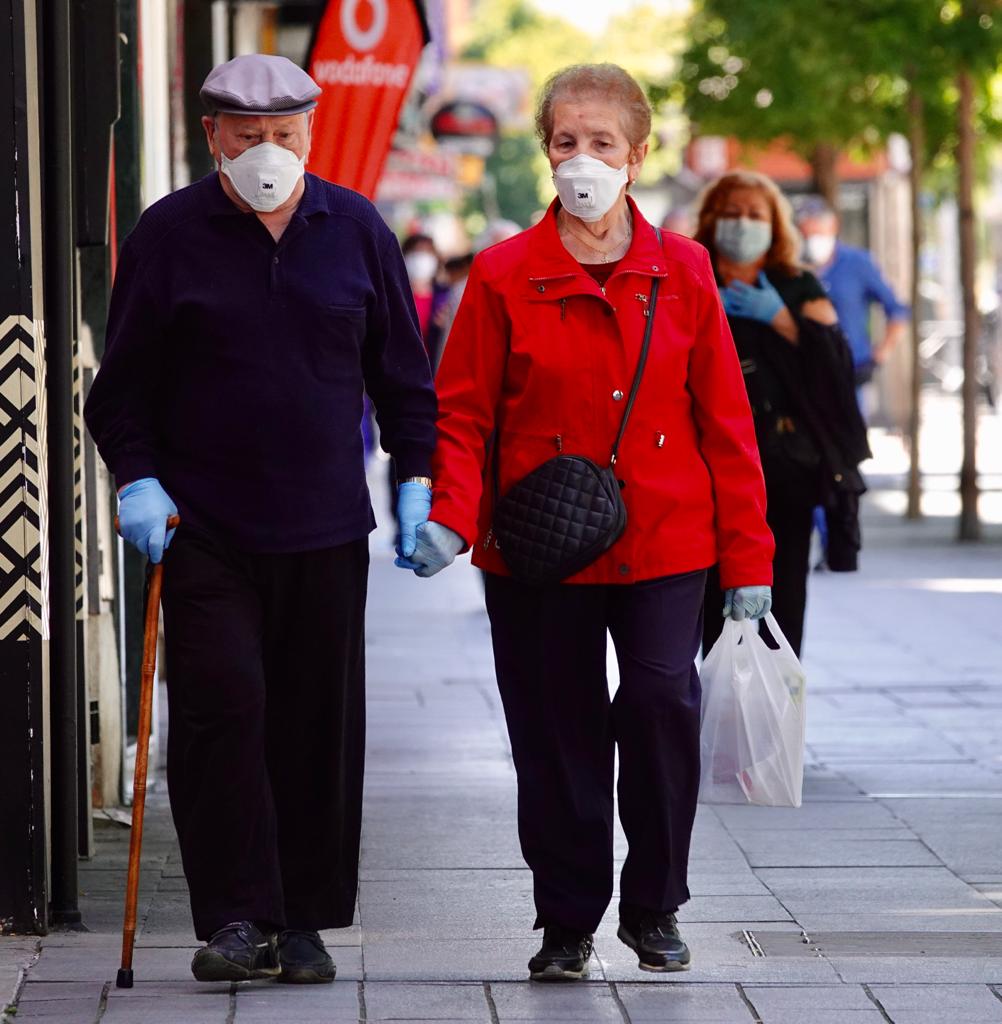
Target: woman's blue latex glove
{"points": [[747, 602], [413, 506], [437, 547], [143, 508], [761, 303]]}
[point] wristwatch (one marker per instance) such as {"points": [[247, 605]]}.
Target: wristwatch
{"points": [[426, 480]]}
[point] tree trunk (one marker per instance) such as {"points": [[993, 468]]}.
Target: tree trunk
{"points": [[969, 527], [916, 139], [824, 158]]}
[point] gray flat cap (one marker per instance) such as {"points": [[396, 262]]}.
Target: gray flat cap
{"points": [[259, 83]]}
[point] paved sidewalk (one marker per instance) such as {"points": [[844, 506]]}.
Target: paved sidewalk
{"points": [[878, 901]]}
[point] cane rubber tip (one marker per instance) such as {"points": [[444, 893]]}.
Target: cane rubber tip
{"points": [[124, 979]]}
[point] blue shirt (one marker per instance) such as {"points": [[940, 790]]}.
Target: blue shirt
{"points": [[235, 366], [853, 281]]}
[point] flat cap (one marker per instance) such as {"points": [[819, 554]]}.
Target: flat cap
{"points": [[259, 83]]}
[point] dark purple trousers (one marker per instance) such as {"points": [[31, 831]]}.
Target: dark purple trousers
{"points": [[266, 743], [550, 657]]}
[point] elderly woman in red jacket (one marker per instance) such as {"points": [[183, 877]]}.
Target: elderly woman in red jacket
{"points": [[540, 361]]}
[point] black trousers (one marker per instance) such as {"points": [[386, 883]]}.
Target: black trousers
{"points": [[549, 652], [266, 747], [790, 515]]}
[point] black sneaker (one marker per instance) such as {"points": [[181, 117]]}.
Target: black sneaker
{"points": [[238, 952], [656, 941], [563, 956], [304, 959]]}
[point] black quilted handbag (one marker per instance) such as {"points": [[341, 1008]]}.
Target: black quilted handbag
{"points": [[567, 512]]}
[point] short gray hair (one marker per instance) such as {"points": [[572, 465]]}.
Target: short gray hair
{"points": [[600, 81]]}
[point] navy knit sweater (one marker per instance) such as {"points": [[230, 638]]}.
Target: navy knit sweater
{"points": [[234, 367]]}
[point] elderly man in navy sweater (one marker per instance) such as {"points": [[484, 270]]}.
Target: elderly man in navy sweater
{"points": [[249, 312]]}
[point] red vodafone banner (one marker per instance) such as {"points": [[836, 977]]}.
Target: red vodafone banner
{"points": [[363, 58]]}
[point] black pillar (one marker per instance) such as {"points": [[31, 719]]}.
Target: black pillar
{"points": [[23, 629], [59, 266]]}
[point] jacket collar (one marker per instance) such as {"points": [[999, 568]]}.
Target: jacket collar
{"points": [[548, 258]]}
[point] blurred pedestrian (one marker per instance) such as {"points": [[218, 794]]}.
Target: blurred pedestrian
{"points": [[798, 372], [249, 310], [423, 266], [541, 357], [854, 284]]}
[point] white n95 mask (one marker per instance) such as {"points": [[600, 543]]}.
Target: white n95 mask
{"points": [[587, 187], [264, 176]]}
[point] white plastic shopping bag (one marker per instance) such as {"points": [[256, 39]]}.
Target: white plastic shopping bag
{"points": [[751, 737]]}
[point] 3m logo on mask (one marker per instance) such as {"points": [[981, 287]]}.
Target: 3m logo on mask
{"points": [[585, 195]]}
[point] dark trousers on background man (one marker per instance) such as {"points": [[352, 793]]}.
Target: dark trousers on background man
{"points": [[790, 515], [550, 657], [266, 744]]}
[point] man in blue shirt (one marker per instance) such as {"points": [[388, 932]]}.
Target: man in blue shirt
{"points": [[250, 311], [854, 283]]}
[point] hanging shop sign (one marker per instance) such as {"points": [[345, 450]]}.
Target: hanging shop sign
{"points": [[464, 126], [363, 57]]}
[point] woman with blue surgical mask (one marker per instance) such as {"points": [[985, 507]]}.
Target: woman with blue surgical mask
{"points": [[798, 373]]}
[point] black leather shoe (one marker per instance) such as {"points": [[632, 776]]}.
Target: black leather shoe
{"points": [[304, 959], [656, 941], [238, 952], [563, 956]]}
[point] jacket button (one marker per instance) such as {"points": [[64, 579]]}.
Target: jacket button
{"points": [[541, 288], [617, 395], [624, 569], [655, 267]]}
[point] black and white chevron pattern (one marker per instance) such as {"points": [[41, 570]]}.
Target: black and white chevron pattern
{"points": [[23, 546]]}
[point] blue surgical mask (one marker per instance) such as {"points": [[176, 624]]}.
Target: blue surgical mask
{"points": [[741, 239]]}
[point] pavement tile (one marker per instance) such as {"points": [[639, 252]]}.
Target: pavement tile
{"points": [[820, 815], [427, 1002], [472, 960], [856, 899], [522, 1002], [157, 1010], [82, 991], [57, 1013], [770, 999], [870, 1016], [923, 970], [947, 999], [802, 850], [684, 1003]]}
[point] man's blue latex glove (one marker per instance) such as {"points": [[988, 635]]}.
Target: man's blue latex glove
{"points": [[413, 506], [747, 602], [761, 303], [143, 508], [437, 547]]}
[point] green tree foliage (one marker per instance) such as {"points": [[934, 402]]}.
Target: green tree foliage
{"points": [[516, 34], [837, 72]]}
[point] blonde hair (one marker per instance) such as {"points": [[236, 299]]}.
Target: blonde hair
{"points": [[601, 81], [784, 251]]}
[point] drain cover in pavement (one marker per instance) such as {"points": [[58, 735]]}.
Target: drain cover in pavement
{"points": [[914, 944]]}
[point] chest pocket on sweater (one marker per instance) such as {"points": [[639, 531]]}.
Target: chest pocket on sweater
{"points": [[336, 348]]}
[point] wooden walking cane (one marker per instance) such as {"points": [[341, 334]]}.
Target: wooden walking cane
{"points": [[150, 631]]}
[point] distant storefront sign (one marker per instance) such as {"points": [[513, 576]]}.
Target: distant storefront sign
{"points": [[465, 127], [419, 176], [363, 58]]}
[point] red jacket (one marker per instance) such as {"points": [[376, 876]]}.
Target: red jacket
{"points": [[541, 352]]}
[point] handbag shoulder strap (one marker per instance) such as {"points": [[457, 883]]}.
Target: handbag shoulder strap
{"points": [[642, 362]]}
